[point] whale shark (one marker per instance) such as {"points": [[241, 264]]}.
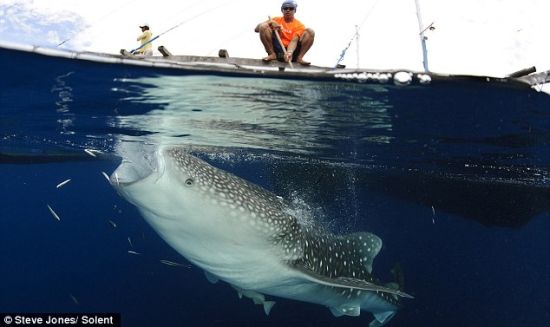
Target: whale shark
{"points": [[242, 234]]}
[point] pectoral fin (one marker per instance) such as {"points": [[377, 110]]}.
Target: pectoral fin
{"points": [[268, 305], [256, 297], [211, 278]]}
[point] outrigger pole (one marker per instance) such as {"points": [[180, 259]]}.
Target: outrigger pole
{"points": [[423, 38], [355, 37]]}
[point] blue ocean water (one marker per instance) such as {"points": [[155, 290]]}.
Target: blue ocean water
{"points": [[452, 176]]}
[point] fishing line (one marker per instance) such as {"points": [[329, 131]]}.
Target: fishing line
{"points": [[237, 35], [181, 23], [356, 34], [233, 37], [99, 20], [6, 9], [178, 14]]}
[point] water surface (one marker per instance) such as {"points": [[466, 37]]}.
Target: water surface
{"points": [[452, 176]]}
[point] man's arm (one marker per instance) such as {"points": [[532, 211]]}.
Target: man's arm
{"points": [[273, 24], [291, 48]]}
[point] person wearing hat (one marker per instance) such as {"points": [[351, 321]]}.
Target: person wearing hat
{"points": [[147, 49], [295, 37]]}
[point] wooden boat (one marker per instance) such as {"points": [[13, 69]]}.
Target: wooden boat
{"points": [[246, 67]]}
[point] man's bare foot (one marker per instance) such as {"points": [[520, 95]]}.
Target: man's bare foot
{"points": [[303, 62], [269, 58]]}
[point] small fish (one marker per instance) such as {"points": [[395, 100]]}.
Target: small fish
{"points": [[55, 215], [106, 176], [63, 183], [90, 152], [133, 252], [74, 299], [112, 223], [174, 264], [433, 215], [130, 241]]}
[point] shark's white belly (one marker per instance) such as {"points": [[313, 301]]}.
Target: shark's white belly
{"points": [[224, 249]]}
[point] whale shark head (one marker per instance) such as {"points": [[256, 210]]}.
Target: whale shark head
{"points": [[177, 186], [243, 234]]}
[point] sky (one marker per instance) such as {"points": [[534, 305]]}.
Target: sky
{"points": [[478, 37]]}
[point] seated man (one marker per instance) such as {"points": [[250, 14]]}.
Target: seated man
{"points": [[296, 39], [145, 37]]}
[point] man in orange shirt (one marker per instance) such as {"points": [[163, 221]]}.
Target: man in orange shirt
{"points": [[295, 37]]}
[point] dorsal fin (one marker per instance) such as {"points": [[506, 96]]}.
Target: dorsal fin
{"points": [[369, 247], [340, 255]]}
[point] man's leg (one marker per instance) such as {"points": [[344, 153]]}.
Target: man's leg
{"points": [[306, 41], [266, 36]]}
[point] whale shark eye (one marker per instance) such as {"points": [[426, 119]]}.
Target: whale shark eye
{"points": [[189, 182]]}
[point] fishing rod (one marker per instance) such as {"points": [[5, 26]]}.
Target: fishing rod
{"points": [[179, 24], [144, 44]]}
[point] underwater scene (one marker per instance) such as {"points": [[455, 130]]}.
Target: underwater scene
{"points": [[180, 199]]}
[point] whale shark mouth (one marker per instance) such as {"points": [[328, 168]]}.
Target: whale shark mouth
{"points": [[134, 169]]}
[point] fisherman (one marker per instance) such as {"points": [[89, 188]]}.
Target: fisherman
{"points": [[296, 39], [147, 49]]}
